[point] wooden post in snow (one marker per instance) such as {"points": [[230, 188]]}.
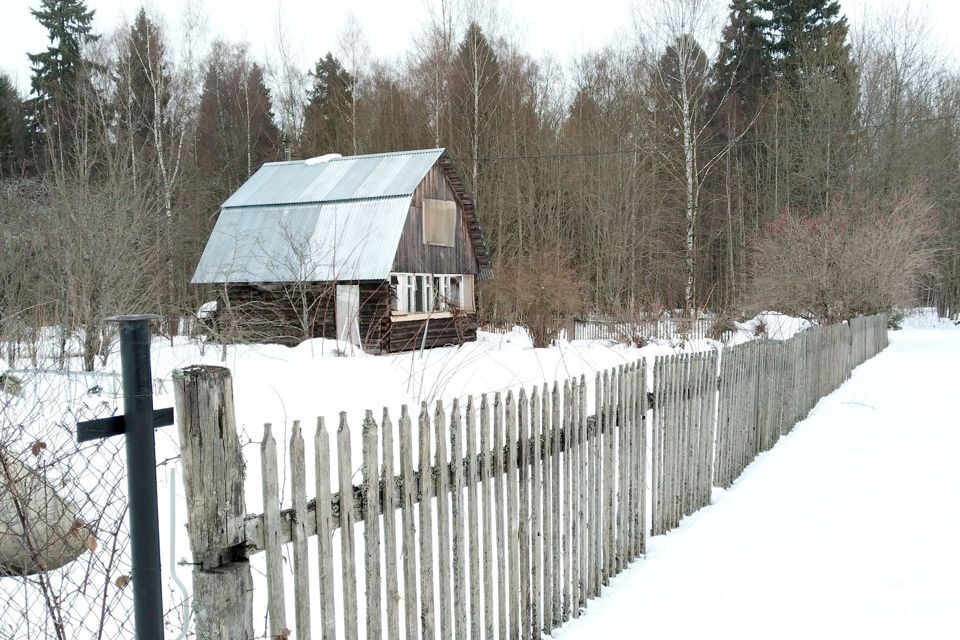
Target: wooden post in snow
{"points": [[213, 479]]}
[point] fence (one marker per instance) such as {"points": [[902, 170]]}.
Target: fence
{"points": [[661, 328], [520, 507]]}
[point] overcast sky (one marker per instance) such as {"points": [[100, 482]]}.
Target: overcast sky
{"points": [[563, 28]]}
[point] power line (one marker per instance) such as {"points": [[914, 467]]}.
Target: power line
{"points": [[743, 142]]}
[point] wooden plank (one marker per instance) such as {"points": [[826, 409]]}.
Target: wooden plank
{"points": [[577, 507], [523, 530], [623, 429], [409, 534], [473, 524], [643, 478], [301, 561], [276, 606], [536, 513], [371, 526], [548, 551], [321, 455], [578, 440], [595, 488], [443, 522], [609, 510], [426, 485], [568, 512], [513, 523], [499, 520], [557, 515], [213, 481], [391, 579], [347, 557], [579, 390], [458, 515], [486, 518]]}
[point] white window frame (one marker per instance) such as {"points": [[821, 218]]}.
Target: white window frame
{"points": [[431, 292]]}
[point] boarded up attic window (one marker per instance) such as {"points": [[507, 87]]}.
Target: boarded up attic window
{"points": [[439, 222]]}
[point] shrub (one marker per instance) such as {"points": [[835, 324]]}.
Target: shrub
{"points": [[857, 260], [537, 291]]}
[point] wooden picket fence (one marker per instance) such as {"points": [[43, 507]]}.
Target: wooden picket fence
{"points": [[499, 518]]}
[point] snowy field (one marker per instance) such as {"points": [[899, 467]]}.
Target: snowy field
{"points": [[846, 529], [799, 527]]}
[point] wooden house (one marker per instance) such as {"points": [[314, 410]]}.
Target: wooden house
{"points": [[382, 251]]}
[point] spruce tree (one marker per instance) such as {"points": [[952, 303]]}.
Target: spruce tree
{"points": [[57, 70], [803, 33], [744, 67], [14, 136], [326, 123], [142, 83]]}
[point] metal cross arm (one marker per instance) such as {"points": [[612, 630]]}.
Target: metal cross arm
{"points": [[116, 425]]}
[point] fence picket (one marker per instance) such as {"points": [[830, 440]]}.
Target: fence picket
{"points": [[347, 557], [443, 521], [556, 518], [513, 524], [473, 524], [408, 545], [536, 533], [548, 491], [371, 526], [301, 561], [460, 620], [499, 520], [486, 517], [426, 486], [523, 529], [271, 516], [391, 580], [321, 448]]}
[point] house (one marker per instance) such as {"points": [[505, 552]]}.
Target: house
{"points": [[382, 251]]}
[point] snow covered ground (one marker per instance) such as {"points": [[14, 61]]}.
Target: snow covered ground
{"points": [[846, 529]]}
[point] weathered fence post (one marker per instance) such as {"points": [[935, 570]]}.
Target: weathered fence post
{"points": [[213, 478]]}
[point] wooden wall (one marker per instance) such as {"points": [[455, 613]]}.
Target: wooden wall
{"points": [[413, 256], [271, 313], [407, 335]]}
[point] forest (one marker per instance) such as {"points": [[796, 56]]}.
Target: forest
{"points": [[774, 158]]}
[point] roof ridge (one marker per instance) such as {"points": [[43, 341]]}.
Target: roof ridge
{"points": [[362, 155]]}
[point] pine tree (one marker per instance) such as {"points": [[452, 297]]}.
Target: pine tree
{"points": [[326, 123]]}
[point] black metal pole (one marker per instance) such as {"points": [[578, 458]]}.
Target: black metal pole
{"points": [[141, 475]]}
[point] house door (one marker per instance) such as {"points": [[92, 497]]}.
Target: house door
{"points": [[348, 314]]}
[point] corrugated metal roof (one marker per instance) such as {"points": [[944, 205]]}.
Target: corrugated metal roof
{"points": [[334, 220], [352, 178], [344, 240]]}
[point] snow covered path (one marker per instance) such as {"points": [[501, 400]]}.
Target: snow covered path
{"points": [[848, 528]]}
